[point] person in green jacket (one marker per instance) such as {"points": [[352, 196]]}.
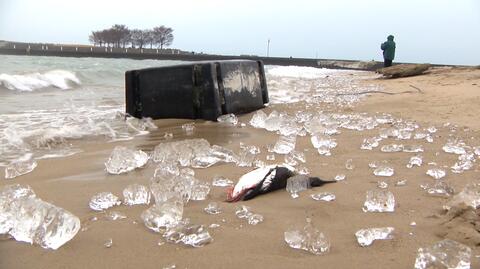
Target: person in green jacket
{"points": [[388, 48]]}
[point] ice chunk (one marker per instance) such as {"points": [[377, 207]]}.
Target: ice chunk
{"points": [[273, 121], [285, 144], [103, 200], [200, 191], [242, 211], [382, 184], [213, 208], [438, 188], [323, 196], [401, 182], [309, 238], [254, 219], [188, 234], [136, 194], [340, 177], [444, 254], [189, 128], [436, 173], [379, 201], [455, 146], [230, 119], [220, 181], [164, 215], [258, 119], [365, 237], [384, 171], [123, 160], [412, 148], [392, 148], [370, 143], [21, 166], [114, 215], [297, 184], [29, 219], [349, 164], [470, 195], [108, 243], [415, 161], [323, 141]]}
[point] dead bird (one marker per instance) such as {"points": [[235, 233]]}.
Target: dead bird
{"points": [[264, 180]]}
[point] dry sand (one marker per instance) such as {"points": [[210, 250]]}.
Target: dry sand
{"points": [[445, 95]]}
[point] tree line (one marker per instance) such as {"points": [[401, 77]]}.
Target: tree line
{"points": [[119, 36]]}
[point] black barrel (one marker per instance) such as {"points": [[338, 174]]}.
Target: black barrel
{"points": [[200, 90]]}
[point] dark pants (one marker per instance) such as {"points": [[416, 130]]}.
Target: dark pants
{"points": [[387, 63]]}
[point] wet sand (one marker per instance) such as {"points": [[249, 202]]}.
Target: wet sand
{"points": [[445, 95]]}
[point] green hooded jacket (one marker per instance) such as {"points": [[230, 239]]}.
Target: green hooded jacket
{"points": [[388, 48]]}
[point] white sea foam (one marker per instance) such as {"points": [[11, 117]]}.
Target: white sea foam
{"points": [[301, 72], [60, 79]]}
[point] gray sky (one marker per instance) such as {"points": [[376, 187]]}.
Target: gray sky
{"points": [[436, 31]]}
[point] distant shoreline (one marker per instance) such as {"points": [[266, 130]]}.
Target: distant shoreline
{"points": [[17, 48], [66, 50]]}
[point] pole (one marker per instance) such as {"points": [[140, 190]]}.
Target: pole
{"points": [[268, 47]]}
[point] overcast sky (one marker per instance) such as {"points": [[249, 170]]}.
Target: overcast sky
{"points": [[435, 31]]}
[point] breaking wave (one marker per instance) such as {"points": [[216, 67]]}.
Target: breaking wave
{"points": [[301, 72], [60, 79]]}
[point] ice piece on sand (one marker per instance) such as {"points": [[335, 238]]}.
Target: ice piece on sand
{"points": [[29, 219], [379, 201], [444, 254], [258, 119], [136, 194], [309, 238], [323, 196], [438, 188], [285, 144], [189, 234], [164, 215], [470, 195], [213, 208], [436, 173], [384, 171], [103, 200], [220, 181], [200, 191], [416, 160], [123, 160], [230, 119], [365, 237], [21, 166], [297, 184]]}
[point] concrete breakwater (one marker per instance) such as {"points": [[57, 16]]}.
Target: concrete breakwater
{"points": [[11, 48]]}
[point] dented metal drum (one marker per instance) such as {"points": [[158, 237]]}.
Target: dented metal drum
{"points": [[201, 90]]}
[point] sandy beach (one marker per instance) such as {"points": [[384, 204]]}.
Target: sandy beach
{"points": [[446, 98]]}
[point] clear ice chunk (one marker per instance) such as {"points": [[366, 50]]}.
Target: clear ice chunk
{"points": [[114, 215], [379, 201], [413, 148], [29, 219], [108, 243], [21, 166], [392, 148], [164, 215], [309, 239], [230, 119], [104, 200], [189, 234], [297, 184], [444, 254], [220, 181], [438, 188], [285, 144], [323, 141], [123, 160], [242, 211], [340, 177], [401, 182], [384, 171], [436, 173], [136, 194], [213, 208], [200, 191], [258, 119], [323, 196], [382, 184], [189, 128], [370, 143], [349, 164], [365, 237], [470, 195], [454, 146], [415, 161], [254, 219]]}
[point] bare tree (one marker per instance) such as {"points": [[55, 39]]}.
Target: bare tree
{"points": [[96, 38], [139, 38], [163, 36]]}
